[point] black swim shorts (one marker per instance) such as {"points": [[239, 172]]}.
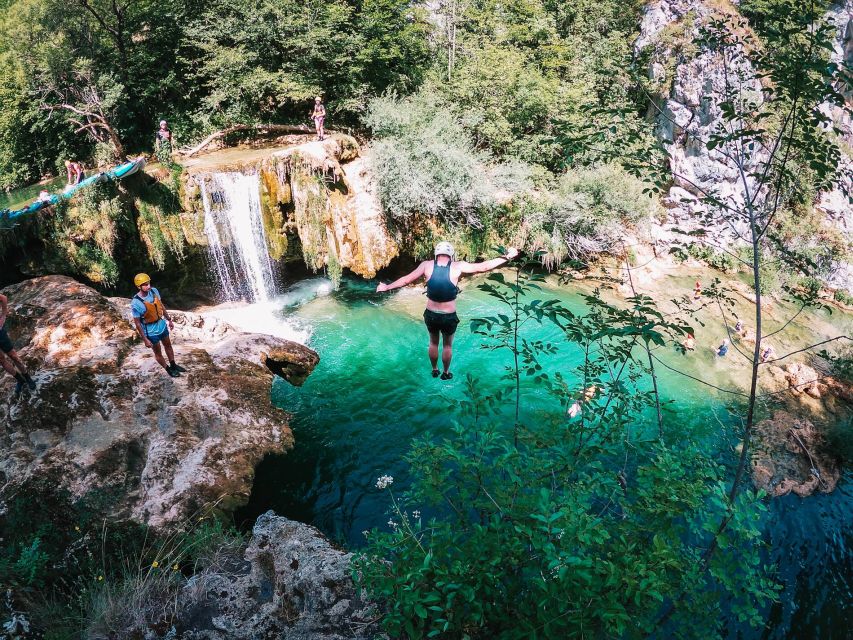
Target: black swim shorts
{"points": [[444, 322], [5, 343]]}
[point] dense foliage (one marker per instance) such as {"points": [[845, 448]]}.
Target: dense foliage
{"points": [[88, 71], [70, 574], [561, 524]]}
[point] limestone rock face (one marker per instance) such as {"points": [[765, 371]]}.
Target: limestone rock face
{"points": [[320, 193], [836, 204], [289, 584], [106, 417], [691, 82]]}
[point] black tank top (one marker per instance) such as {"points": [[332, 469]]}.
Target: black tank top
{"points": [[440, 287]]}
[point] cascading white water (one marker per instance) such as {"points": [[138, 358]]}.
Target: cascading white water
{"points": [[237, 243]]}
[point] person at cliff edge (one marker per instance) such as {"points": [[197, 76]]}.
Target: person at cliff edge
{"points": [[442, 276], [9, 358], [75, 172], [153, 323], [318, 115]]}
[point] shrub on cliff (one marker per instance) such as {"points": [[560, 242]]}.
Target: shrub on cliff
{"points": [[587, 212], [426, 163]]}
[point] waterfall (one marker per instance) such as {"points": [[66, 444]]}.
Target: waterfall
{"points": [[237, 243]]}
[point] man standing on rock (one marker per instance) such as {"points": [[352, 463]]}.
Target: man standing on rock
{"points": [[442, 275], [9, 358], [153, 323]]}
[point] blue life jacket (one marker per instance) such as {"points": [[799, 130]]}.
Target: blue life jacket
{"points": [[440, 287]]}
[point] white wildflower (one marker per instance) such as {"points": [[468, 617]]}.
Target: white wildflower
{"points": [[392, 524], [384, 481], [416, 514]]}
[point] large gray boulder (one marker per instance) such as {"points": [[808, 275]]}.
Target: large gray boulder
{"points": [[288, 584], [107, 418]]}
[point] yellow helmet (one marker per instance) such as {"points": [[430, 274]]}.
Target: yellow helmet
{"points": [[141, 278]]}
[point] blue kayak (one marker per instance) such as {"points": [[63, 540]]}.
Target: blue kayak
{"points": [[116, 173]]}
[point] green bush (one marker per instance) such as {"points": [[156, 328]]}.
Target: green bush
{"points": [[719, 260], [505, 102], [843, 297], [558, 528], [426, 163], [586, 213]]}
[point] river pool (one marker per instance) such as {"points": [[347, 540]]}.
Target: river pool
{"points": [[372, 393]]}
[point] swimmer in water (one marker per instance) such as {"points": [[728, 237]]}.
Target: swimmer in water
{"points": [[577, 408]]}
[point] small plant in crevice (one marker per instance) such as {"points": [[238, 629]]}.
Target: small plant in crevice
{"points": [[334, 269]]}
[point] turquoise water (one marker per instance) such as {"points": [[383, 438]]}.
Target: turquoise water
{"points": [[372, 394], [19, 198]]}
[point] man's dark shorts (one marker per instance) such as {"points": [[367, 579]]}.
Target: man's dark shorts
{"points": [[444, 322], [157, 337], [5, 343]]}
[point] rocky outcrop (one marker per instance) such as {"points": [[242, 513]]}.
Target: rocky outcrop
{"points": [[690, 82], [317, 195], [790, 452], [288, 583], [835, 204], [789, 455], [106, 417]]}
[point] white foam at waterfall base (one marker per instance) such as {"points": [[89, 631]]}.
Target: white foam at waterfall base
{"points": [[237, 244], [271, 317]]}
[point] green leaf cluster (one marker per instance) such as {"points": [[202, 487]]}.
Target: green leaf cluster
{"points": [[558, 526]]}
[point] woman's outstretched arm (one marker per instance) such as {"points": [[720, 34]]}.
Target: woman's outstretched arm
{"points": [[402, 282]]}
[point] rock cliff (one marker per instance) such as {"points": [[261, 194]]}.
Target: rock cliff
{"points": [[287, 583], [105, 417], [315, 195], [688, 81]]}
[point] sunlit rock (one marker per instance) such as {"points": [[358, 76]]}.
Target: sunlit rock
{"points": [[106, 417], [789, 455], [287, 583]]}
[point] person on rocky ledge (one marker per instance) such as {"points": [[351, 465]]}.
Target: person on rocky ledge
{"points": [[163, 144], [9, 358], [153, 323], [318, 115], [442, 277]]}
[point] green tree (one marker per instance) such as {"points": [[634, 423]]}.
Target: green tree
{"points": [[766, 131], [559, 527]]}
